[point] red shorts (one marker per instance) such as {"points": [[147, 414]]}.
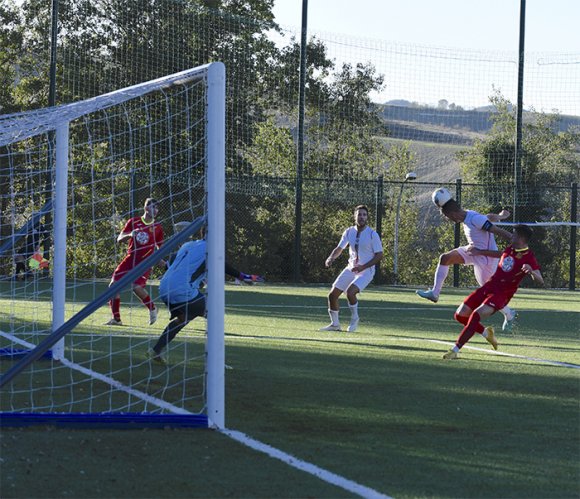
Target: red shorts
{"points": [[125, 266], [488, 295]]}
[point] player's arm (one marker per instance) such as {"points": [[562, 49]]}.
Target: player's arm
{"points": [[336, 252], [249, 278], [376, 259], [127, 232], [499, 232], [472, 250], [536, 275], [498, 217]]}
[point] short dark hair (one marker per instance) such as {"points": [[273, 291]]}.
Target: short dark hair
{"points": [[524, 232], [149, 201], [361, 207], [450, 206]]}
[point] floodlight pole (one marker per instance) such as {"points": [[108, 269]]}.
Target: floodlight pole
{"points": [[300, 145], [519, 110]]}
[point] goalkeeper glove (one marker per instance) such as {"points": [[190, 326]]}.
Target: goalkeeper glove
{"points": [[251, 278]]}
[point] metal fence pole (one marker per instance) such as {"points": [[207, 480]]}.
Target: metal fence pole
{"points": [[574, 219], [379, 208], [300, 150], [457, 233], [519, 110]]}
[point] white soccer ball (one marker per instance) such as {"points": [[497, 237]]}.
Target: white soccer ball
{"points": [[441, 196]]}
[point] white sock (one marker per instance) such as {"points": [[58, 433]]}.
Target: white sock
{"points": [[333, 317], [440, 276], [455, 349], [353, 311], [507, 312]]}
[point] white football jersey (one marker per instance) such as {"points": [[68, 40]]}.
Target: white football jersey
{"points": [[476, 227], [362, 247]]}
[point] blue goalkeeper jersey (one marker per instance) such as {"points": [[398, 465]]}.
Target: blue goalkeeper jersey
{"points": [[182, 280]]}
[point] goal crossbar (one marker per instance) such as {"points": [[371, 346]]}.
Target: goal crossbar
{"points": [[20, 126]]}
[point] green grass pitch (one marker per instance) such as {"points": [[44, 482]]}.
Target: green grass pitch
{"points": [[379, 407]]}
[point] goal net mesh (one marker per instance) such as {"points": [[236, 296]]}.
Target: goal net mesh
{"points": [[124, 147]]}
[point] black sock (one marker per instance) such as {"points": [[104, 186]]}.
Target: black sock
{"points": [[168, 334], [20, 267]]}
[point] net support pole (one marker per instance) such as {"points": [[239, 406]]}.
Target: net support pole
{"points": [[457, 232], [60, 224], [519, 111], [300, 146], [216, 91], [573, 230]]}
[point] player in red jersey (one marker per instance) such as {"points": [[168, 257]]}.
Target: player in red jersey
{"points": [[144, 236], [516, 261]]}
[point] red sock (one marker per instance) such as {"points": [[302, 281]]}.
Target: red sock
{"points": [[469, 330], [464, 320], [115, 305], [148, 302]]}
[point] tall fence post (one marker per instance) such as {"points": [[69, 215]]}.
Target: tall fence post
{"points": [[519, 110], [573, 219], [457, 233], [379, 209], [300, 148]]}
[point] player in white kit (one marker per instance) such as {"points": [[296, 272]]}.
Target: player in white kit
{"points": [[365, 251], [479, 231]]}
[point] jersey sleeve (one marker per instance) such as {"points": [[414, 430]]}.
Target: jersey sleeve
{"points": [[376, 243], [128, 227], [482, 222], [344, 240]]}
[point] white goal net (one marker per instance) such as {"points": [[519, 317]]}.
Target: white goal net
{"points": [[72, 179]]}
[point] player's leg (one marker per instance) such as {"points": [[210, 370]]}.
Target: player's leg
{"points": [[359, 284], [342, 282], [483, 268], [351, 295], [139, 290], [463, 315], [181, 315], [115, 302], [473, 326], [20, 261], [453, 257]]}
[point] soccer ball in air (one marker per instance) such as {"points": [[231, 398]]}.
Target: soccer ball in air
{"points": [[441, 196]]}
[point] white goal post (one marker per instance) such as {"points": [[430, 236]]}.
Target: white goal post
{"points": [[173, 128]]}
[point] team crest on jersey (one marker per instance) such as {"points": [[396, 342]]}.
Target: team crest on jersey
{"points": [[143, 237], [507, 264]]}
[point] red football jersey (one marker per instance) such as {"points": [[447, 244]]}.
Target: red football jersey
{"points": [[147, 237], [509, 272]]}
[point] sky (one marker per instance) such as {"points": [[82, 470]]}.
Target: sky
{"points": [[458, 50], [551, 25]]}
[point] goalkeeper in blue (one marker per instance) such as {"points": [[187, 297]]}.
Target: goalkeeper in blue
{"points": [[180, 290]]}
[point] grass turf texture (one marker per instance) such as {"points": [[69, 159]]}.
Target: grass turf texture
{"points": [[379, 407]]}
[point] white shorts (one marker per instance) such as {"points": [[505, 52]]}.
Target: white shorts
{"points": [[347, 277], [483, 266]]}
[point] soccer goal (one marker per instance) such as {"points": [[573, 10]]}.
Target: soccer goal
{"points": [[71, 177]]}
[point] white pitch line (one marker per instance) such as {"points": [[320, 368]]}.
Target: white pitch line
{"points": [[312, 469], [427, 340], [325, 307], [504, 354]]}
